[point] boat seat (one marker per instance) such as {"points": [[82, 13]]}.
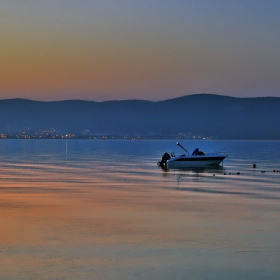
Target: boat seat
{"points": [[197, 152]]}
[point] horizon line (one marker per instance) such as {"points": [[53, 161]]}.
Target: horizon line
{"points": [[111, 100]]}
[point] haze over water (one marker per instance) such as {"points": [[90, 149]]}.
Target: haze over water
{"points": [[88, 209]]}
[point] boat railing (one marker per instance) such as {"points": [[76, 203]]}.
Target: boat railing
{"points": [[215, 153]]}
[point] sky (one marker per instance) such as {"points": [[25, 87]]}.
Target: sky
{"points": [[138, 49]]}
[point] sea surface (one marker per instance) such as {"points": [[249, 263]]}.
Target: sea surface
{"points": [[103, 209]]}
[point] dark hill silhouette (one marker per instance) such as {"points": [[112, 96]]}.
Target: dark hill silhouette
{"points": [[202, 114]]}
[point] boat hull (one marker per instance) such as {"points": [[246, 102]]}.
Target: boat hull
{"points": [[195, 161]]}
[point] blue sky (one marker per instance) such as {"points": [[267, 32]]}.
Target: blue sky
{"points": [[152, 50]]}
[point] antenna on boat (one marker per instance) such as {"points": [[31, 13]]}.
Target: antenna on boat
{"points": [[182, 147]]}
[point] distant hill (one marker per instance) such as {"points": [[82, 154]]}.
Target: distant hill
{"points": [[218, 116]]}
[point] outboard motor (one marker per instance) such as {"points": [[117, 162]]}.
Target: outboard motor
{"points": [[165, 157]]}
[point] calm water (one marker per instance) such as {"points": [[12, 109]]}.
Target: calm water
{"points": [[104, 210]]}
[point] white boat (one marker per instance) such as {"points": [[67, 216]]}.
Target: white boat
{"points": [[196, 159]]}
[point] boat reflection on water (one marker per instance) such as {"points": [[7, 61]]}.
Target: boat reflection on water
{"points": [[192, 176], [206, 169]]}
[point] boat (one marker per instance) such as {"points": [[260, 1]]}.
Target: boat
{"points": [[196, 159]]}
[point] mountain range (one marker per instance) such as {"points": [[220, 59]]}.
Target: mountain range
{"points": [[216, 116]]}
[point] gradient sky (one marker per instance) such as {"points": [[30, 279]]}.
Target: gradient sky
{"points": [[138, 49]]}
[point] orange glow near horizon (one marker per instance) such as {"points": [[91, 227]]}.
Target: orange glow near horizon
{"points": [[100, 52]]}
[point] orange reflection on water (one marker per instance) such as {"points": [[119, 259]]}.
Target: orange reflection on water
{"points": [[95, 226]]}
